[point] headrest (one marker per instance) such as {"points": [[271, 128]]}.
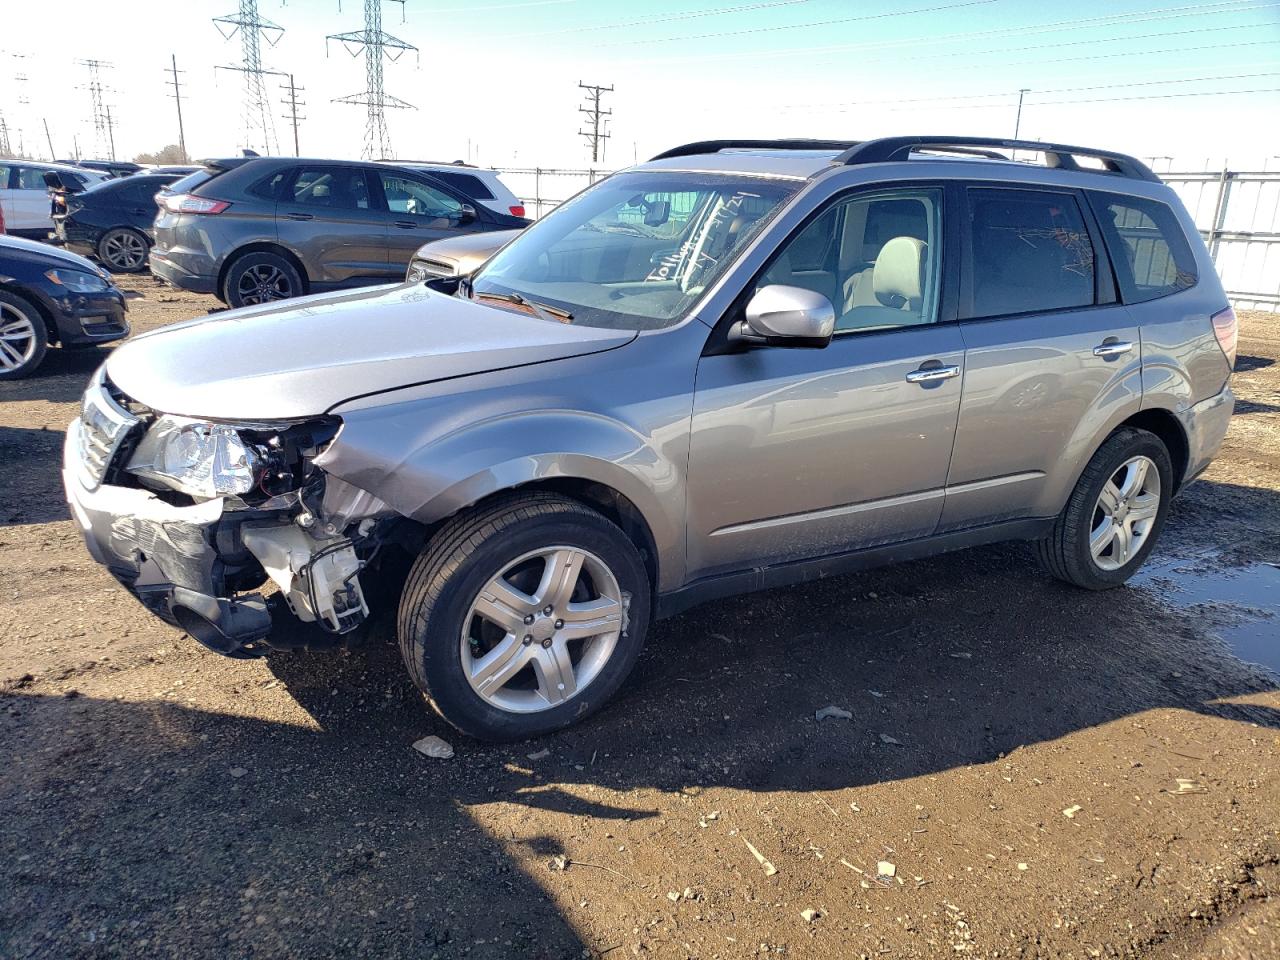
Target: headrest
{"points": [[898, 277]]}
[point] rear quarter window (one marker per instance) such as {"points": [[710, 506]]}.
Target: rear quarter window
{"points": [[464, 183], [1151, 255]]}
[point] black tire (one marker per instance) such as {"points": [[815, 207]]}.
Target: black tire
{"points": [[461, 558], [14, 311], [123, 250], [1065, 553], [260, 277]]}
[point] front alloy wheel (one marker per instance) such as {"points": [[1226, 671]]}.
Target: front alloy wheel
{"points": [[524, 615], [542, 629], [23, 336]]}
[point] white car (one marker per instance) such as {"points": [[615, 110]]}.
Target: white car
{"points": [[481, 185], [24, 195]]}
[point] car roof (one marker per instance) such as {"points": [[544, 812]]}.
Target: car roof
{"points": [[50, 165], [983, 156]]}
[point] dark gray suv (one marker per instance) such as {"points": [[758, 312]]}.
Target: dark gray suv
{"points": [[737, 366], [275, 228]]}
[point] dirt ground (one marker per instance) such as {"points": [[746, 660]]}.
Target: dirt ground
{"points": [[1050, 773]]}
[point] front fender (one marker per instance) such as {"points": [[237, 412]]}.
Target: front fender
{"points": [[437, 476]]}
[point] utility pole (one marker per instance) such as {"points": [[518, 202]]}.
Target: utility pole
{"points": [[259, 127], [1017, 123], [48, 139], [101, 116], [111, 133], [376, 44], [598, 117], [177, 96], [293, 103]]}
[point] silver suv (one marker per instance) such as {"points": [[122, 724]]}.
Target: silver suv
{"points": [[737, 366]]}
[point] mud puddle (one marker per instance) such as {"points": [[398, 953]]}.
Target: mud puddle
{"points": [[1241, 604]]}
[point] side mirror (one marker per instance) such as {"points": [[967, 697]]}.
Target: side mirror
{"points": [[467, 213], [785, 316]]}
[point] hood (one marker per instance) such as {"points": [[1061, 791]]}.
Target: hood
{"points": [[33, 248], [301, 358]]}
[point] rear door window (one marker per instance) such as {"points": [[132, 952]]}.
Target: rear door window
{"points": [[407, 195], [343, 188], [32, 178], [1149, 251], [1029, 252]]}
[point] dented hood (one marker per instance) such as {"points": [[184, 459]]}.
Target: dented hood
{"points": [[303, 357]]}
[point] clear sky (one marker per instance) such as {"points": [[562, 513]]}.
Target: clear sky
{"points": [[1198, 81]]}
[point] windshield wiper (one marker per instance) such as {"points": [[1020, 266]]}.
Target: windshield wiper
{"points": [[541, 309]]}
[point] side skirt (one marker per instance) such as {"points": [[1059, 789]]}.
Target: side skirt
{"points": [[834, 565]]}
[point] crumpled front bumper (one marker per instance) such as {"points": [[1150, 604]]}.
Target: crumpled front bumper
{"points": [[166, 556]]}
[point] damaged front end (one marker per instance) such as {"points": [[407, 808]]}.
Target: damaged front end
{"points": [[193, 517]]}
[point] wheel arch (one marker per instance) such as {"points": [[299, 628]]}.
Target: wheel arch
{"points": [[42, 309], [263, 246], [1166, 426]]}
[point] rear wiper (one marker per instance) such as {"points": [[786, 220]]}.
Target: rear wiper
{"points": [[541, 309]]}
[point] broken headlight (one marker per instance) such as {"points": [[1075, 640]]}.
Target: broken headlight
{"points": [[198, 458]]}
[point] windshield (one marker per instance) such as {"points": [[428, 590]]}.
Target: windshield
{"points": [[633, 252]]}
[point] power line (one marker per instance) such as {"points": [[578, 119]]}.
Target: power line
{"points": [[596, 135], [809, 25], [376, 45], [1140, 16], [1007, 93], [666, 18]]}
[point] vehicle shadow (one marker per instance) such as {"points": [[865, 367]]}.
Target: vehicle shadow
{"points": [[61, 378], [226, 834]]}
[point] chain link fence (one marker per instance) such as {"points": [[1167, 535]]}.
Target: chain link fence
{"points": [[542, 188]]}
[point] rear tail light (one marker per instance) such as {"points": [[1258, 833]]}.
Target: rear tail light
{"points": [[1227, 329], [517, 210], [189, 203]]}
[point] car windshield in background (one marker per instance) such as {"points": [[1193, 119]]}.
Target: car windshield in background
{"points": [[634, 252]]}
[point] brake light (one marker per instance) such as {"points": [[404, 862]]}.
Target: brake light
{"points": [[1227, 329], [517, 210], [189, 203]]}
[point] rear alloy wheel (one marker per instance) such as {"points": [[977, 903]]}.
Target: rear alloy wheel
{"points": [[123, 250], [24, 338], [524, 616], [260, 278], [1114, 515]]}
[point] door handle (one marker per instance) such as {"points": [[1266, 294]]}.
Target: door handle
{"points": [[406, 224], [1111, 347], [932, 374], [300, 216]]}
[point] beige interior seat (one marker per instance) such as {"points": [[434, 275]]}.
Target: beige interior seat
{"points": [[897, 283]]}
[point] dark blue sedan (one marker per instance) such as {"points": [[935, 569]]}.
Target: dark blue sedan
{"points": [[112, 220], [49, 296]]}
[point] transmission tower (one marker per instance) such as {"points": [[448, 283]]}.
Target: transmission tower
{"points": [[599, 119], [259, 124], [102, 132], [376, 45], [5, 150]]}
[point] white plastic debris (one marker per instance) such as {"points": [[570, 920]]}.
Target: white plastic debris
{"points": [[769, 868], [1071, 811], [540, 754], [831, 712], [434, 747]]}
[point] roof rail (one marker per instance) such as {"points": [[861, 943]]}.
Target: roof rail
{"points": [[1057, 155], [715, 146]]}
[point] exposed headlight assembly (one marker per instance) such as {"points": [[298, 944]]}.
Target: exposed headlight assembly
{"points": [[198, 458]]}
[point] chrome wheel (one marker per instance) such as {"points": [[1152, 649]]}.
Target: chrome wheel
{"points": [[1125, 513], [263, 283], [123, 250], [542, 629], [17, 337]]}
